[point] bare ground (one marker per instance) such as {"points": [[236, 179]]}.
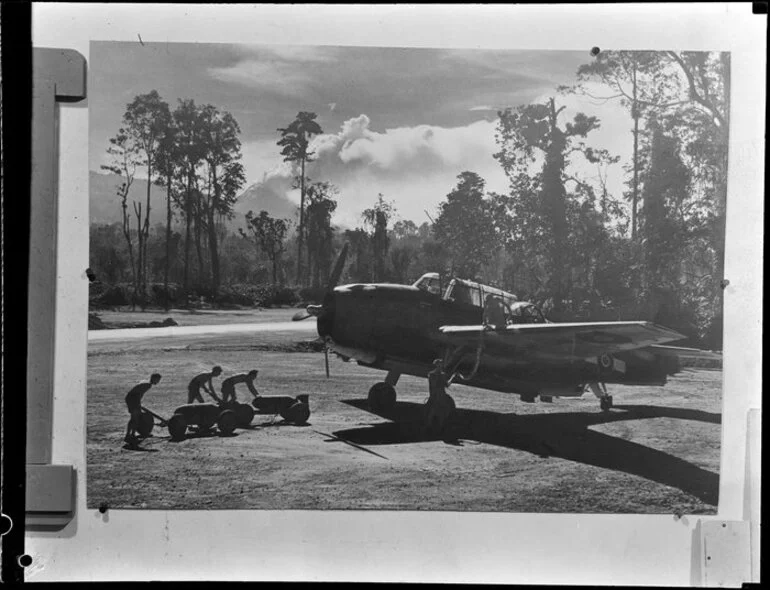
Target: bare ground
{"points": [[657, 451]]}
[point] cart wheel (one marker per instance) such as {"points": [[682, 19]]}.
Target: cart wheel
{"points": [[177, 427], [146, 423], [244, 414], [298, 413], [227, 422]]}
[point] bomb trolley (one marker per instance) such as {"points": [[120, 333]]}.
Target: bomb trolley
{"points": [[291, 409], [203, 417]]}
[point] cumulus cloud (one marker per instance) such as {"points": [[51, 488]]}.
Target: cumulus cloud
{"points": [[404, 151], [414, 166]]}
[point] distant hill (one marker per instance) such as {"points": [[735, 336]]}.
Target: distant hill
{"points": [[259, 197], [105, 205]]}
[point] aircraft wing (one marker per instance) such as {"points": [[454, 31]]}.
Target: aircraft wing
{"points": [[680, 351], [566, 341]]}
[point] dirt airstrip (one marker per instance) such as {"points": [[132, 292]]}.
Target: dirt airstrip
{"points": [[656, 451]]}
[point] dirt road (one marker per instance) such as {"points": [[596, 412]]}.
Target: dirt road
{"points": [[657, 451]]}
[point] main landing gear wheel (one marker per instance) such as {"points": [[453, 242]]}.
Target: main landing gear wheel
{"points": [[605, 403], [438, 411], [382, 398]]}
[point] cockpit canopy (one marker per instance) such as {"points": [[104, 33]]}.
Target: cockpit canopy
{"points": [[462, 291], [472, 293], [430, 282]]}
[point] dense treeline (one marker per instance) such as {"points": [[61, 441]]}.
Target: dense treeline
{"points": [[558, 236]]}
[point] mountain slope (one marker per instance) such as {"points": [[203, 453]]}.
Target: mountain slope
{"points": [[105, 208]]}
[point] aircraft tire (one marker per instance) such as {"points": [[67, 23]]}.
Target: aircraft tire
{"points": [[382, 398], [605, 403]]}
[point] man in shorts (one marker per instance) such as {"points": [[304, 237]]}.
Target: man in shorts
{"points": [[440, 405], [134, 403], [228, 385], [203, 381]]}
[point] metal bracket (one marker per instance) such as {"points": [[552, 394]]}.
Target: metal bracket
{"points": [[722, 556], [726, 553], [59, 75]]}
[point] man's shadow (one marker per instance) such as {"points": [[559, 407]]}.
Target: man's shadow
{"points": [[136, 446], [564, 435]]}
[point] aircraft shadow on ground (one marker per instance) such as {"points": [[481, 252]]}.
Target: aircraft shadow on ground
{"points": [[564, 435]]}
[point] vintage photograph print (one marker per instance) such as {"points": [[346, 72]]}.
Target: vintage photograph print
{"points": [[354, 278]]}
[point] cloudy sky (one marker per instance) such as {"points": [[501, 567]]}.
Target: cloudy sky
{"points": [[401, 122]]}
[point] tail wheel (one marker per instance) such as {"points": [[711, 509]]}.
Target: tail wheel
{"points": [[177, 427], [298, 413], [244, 414], [145, 425], [227, 422], [382, 398]]}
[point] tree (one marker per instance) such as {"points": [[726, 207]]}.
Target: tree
{"points": [[225, 175], [320, 234], [295, 141], [124, 155], [268, 234], [666, 231], [465, 226], [191, 150], [525, 134], [360, 268], [634, 78], [145, 120], [168, 164], [377, 218]]}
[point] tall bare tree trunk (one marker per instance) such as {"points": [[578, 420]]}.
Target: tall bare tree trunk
{"points": [[212, 237], [188, 235], [635, 188], [167, 299], [301, 228]]}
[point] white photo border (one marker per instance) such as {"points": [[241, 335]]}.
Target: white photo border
{"points": [[404, 546]]}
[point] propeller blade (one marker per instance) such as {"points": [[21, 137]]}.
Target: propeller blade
{"points": [[338, 268]]}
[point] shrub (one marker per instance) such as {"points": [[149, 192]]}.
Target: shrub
{"points": [[312, 294]]}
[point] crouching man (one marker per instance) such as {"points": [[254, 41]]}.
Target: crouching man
{"points": [[134, 404]]}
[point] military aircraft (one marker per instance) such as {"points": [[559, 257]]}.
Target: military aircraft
{"points": [[403, 329]]}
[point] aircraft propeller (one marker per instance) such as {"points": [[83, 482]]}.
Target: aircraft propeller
{"points": [[315, 310]]}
